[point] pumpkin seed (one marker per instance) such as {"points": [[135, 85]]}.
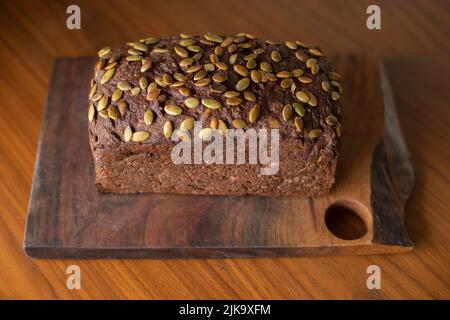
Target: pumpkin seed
{"points": [[286, 83], [287, 112], [226, 42], [273, 123], [117, 94], [250, 56], [187, 124], [233, 58], [148, 117], [99, 65], [297, 72], [146, 64], [334, 76], [338, 129], [250, 96], [211, 103], [270, 76], [191, 103], [139, 46], [213, 37], [325, 86], [203, 82], [187, 42], [300, 55], [315, 52], [96, 97], [194, 48], [335, 95], [91, 112], [254, 113], [160, 50], [194, 69], [135, 91], [304, 79], [265, 66], [122, 105], [92, 91], [284, 74], [113, 112], [213, 58], [241, 70], [104, 114], [312, 100], [298, 108], [102, 103], [184, 91], [185, 36], [302, 96], [151, 40], [214, 123], [256, 76], [331, 120], [218, 51], [251, 64], [205, 134], [197, 57], [134, 52], [140, 136], [167, 79], [181, 52], [315, 69], [234, 101], [168, 129], [222, 127], [231, 94], [314, 133], [134, 58], [298, 122], [143, 83], [310, 62], [107, 76], [127, 134], [219, 77], [275, 55], [153, 94], [173, 110], [179, 76], [186, 62], [221, 65], [124, 85], [239, 123], [200, 75], [291, 45], [104, 51], [217, 87], [242, 84], [209, 67]]}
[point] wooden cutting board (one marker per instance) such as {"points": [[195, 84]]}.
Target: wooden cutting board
{"points": [[363, 213]]}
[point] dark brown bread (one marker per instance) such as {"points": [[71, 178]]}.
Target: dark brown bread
{"points": [[132, 154]]}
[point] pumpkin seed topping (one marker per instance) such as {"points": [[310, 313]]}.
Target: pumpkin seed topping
{"points": [[242, 84], [211, 103], [148, 117], [254, 113], [173, 110], [127, 134], [140, 136]]}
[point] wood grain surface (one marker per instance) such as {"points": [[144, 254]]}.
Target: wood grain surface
{"points": [[414, 43]]}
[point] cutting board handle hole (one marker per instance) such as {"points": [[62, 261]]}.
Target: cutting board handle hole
{"points": [[344, 220]]}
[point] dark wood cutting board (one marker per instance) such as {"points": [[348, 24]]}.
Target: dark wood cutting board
{"points": [[68, 218]]}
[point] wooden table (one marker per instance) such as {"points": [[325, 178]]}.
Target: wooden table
{"points": [[414, 43]]}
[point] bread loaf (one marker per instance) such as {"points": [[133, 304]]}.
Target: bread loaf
{"points": [[145, 90]]}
